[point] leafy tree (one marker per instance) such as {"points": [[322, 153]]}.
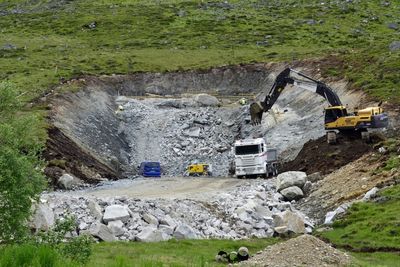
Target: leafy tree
{"points": [[20, 168]]}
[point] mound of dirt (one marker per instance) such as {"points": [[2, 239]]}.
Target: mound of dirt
{"points": [[319, 156], [304, 250]]}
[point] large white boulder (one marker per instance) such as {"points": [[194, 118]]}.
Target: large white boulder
{"points": [[292, 193], [150, 219], [43, 218], [184, 231], [115, 213], [101, 231], [291, 178], [67, 181], [292, 221]]}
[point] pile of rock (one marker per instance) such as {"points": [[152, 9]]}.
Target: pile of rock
{"points": [[250, 210], [293, 185]]}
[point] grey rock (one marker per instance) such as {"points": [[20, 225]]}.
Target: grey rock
{"points": [[292, 193], [101, 231], [291, 178], [393, 26], [332, 215], [95, 209], [394, 46], [116, 212], [150, 219], [307, 188], [166, 229], [43, 218], [193, 132], [206, 100], [184, 231], [151, 234], [67, 181], [116, 227]]}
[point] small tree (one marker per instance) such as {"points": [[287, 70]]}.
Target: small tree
{"points": [[20, 168]]}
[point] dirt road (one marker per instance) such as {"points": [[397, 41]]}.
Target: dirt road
{"points": [[199, 188]]}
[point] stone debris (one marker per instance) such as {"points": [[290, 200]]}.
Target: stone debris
{"points": [[247, 210]]}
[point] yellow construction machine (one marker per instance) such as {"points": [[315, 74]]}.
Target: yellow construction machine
{"points": [[198, 169], [337, 118]]}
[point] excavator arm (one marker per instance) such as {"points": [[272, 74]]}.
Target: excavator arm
{"points": [[287, 76]]}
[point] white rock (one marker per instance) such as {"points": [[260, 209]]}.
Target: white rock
{"points": [[43, 218], [167, 220], [291, 178], [184, 231], [292, 193], [370, 194], [116, 212], [116, 227], [291, 220], [101, 231], [166, 229], [332, 215]]}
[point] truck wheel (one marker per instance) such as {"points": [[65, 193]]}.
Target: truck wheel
{"points": [[331, 137]]}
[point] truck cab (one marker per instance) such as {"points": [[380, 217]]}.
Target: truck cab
{"points": [[253, 158], [150, 169]]}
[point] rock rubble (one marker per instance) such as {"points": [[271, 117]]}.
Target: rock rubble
{"points": [[252, 209]]}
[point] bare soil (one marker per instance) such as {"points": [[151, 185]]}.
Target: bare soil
{"points": [[319, 156]]}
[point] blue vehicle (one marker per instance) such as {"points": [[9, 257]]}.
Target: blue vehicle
{"points": [[150, 169]]}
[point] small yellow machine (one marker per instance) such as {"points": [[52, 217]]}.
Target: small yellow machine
{"points": [[198, 169]]}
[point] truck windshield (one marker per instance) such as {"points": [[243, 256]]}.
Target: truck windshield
{"points": [[246, 150], [152, 164]]}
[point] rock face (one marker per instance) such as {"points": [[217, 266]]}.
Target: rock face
{"points": [[43, 218], [292, 193], [291, 178], [116, 212]]}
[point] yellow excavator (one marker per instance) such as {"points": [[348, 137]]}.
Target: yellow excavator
{"points": [[337, 118]]}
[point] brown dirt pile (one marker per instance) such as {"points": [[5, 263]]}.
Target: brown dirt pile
{"points": [[319, 156], [304, 250]]}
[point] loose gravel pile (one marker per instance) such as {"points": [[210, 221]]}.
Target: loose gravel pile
{"points": [[304, 250]]}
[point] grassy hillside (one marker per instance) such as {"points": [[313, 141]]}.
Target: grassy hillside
{"points": [[46, 41]]}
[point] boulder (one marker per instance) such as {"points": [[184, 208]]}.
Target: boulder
{"points": [[101, 231], [293, 222], [167, 220], [67, 181], [292, 193], [168, 230], [115, 213], [206, 100], [95, 209], [151, 234], [370, 194], [307, 188], [193, 132], [184, 231], [291, 178], [43, 218], [116, 227], [332, 215], [150, 219]]}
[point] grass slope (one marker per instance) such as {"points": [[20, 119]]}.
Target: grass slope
{"points": [[45, 41]]}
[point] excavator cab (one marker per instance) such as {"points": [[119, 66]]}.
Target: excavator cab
{"points": [[334, 113], [198, 169]]}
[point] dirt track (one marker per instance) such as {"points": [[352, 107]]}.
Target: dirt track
{"points": [[166, 187]]}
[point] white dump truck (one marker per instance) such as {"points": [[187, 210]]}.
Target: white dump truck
{"points": [[253, 158]]}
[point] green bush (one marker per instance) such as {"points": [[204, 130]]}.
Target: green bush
{"points": [[20, 169]]}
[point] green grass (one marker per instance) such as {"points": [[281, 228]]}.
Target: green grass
{"points": [[371, 227], [172, 253], [54, 42]]}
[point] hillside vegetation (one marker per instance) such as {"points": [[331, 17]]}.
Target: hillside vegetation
{"points": [[47, 41]]}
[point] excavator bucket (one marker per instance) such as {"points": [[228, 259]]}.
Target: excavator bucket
{"points": [[256, 112]]}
